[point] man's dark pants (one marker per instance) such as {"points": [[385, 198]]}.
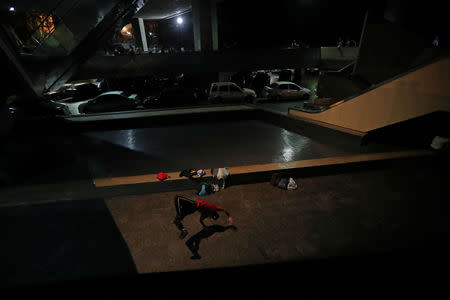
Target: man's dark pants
{"points": [[184, 207]]}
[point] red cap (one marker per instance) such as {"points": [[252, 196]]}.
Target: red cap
{"points": [[162, 176]]}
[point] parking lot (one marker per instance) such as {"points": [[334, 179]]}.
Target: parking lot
{"points": [[108, 95]]}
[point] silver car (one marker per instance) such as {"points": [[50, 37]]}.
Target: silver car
{"points": [[224, 91], [109, 102], [286, 90]]}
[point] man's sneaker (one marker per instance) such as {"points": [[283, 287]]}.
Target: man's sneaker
{"points": [[183, 234], [196, 256]]}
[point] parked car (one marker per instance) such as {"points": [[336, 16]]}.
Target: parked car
{"points": [[177, 96], [70, 93], [228, 91], [286, 90], [108, 102], [35, 107], [86, 91], [312, 71], [17, 109], [260, 80]]}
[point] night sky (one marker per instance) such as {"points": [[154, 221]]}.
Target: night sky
{"points": [[271, 24], [253, 23], [263, 24]]}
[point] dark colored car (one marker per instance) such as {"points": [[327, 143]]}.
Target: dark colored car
{"points": [[109, 102], [35, 107], [173, 97], [86, 91], [15, 110], [312, 71]]}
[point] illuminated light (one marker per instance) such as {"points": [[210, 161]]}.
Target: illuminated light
{"points": [[179, 20], [126, 30], [11, 9], [44, 24], [150, 33]]}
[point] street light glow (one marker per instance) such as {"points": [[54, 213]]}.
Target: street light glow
{"points": [[11, 9], [179, 20]]}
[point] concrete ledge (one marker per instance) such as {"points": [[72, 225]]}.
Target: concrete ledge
{"points": [[143, 184], [300, 115], [154, 113], [271, 167]]}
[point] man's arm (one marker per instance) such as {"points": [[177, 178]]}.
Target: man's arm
{"points": [[202, 217], [221, 209], [230, 219]]}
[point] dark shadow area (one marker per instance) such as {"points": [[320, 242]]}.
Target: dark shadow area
{"points": [[193, 243], [352, 143], [107, 159], [41, 158], [355, 168], [61, 125], [394, 273], [49, 243], [416, 132], [268, 100]]}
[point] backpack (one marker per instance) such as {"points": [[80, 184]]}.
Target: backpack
{"points": [[275, 179], [205, 189], [283, 183], [188, 173]]}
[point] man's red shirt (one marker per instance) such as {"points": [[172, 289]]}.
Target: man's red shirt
{"points": [[207, 209]]}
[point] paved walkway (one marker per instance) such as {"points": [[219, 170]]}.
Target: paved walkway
{"points": [[388, 211], [124, 232]]}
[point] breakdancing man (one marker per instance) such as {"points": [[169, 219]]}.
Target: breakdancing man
{"points": [[185, 207]]}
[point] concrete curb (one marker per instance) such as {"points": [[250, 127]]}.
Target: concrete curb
{"points": [[84, 190]]}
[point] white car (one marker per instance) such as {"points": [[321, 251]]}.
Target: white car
{"points": [[106, 102], [223, 91], [286, 90]]}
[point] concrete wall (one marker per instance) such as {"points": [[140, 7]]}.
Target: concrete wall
{"points": [[386, 50], [417, 93], [333, 58], [141, 65], [338, 86]]}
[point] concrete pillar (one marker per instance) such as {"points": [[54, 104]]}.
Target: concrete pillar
{"points": [[214, 32], [204, 17], [143, 35]]}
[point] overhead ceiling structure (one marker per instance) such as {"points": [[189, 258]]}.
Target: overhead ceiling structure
{"points": [[163, 9]]}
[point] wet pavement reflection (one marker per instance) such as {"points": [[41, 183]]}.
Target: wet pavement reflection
{"points": [[198, 145]]}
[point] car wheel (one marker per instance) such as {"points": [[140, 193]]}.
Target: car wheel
{"points": [[306, 97], [249, 99]]}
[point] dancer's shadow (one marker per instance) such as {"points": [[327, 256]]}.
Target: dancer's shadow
{"points": [[193, 243]]}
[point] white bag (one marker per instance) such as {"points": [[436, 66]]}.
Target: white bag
{"points": [[222, 173], [291, 185], [439, 143]]}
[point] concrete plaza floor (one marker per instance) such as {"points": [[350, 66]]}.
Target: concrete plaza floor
{"points": [[394, 218], [339, 227]]}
